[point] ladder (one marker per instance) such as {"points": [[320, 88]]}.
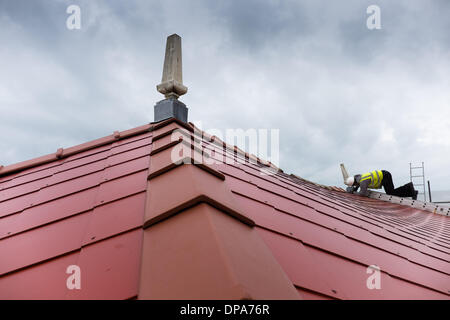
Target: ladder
{"points": [[418, 173]]}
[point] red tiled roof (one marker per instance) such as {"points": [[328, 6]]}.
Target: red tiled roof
{"points": [[85, 209], [139, 226]]}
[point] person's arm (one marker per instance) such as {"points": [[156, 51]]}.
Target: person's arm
{"points": [[363, 191]]}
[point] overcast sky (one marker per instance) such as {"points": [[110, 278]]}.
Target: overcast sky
{"points": [[337, 91]]}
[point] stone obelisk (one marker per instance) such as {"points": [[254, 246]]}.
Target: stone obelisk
{"points": [[172, 83]]}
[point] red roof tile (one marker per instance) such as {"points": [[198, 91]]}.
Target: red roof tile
{"points": [[77, 205], [133, 221]]}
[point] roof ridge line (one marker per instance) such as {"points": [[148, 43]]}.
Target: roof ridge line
{"points": [[234, 148], [192, 203], [190, 208], [162, 163], [66, 152]]}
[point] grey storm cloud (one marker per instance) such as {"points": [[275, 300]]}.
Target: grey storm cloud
{"points": [[337, 91]]}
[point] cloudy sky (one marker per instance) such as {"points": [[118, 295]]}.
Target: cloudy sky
{"points": [[337, 91]]}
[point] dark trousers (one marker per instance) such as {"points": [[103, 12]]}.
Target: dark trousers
{"points": [[406, 190]]}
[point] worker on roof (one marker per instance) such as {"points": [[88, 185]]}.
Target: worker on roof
{"points": [[377, 179]]}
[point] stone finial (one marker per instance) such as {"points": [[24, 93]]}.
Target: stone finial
{"points": [[172, 80], [172, 84]]}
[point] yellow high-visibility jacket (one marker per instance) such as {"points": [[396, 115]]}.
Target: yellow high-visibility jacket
{"points": [[374, 178]]}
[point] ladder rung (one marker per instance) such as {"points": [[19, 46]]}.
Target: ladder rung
{"points": [[416, 167], [417, 176]]}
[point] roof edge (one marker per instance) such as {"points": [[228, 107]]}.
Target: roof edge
{"points": [[417, 204], [232, 148], [63, 153]]}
